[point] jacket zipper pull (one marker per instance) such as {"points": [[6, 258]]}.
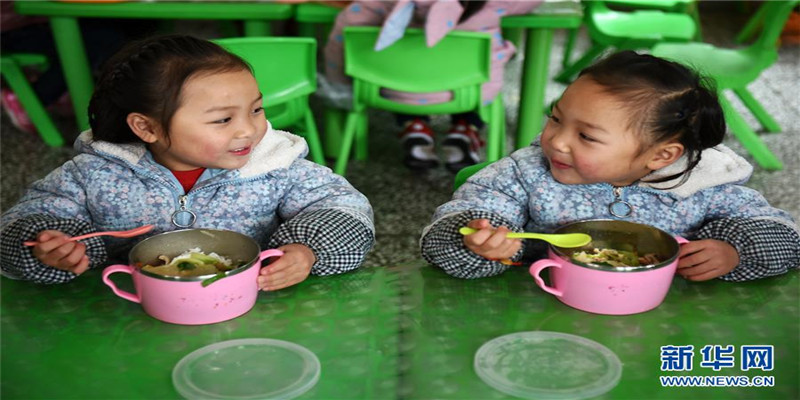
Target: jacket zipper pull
{"points": [[182, 217], [620, 208]]}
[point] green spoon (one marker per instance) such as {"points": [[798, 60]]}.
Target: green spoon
{"points": [[567, 240]]}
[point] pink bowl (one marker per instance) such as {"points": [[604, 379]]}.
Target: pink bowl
{"points": [[186, 301], [605, 289]]}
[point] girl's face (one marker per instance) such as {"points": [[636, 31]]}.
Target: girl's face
{"points": [[218, 123], [587, 139]]}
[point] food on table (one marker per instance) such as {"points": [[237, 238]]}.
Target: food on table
{"points": [[193, 262], [614, 258]]}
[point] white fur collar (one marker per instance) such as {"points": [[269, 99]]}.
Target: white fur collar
{"points": [[718, 165], [278, 149]]}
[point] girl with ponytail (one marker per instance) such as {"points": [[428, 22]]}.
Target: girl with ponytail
{"points": [[634, 138], [180, 140]]}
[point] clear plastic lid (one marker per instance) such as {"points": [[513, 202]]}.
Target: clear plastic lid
{"points": [[548, 365], [247, 369]]}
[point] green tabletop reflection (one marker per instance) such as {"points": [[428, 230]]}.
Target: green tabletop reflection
{"points": [[80, 341], [444, 321], [406, 332]]}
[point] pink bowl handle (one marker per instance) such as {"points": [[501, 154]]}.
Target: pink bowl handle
{"points": [[536, 270], [121, 293], [681, 240], [267, 254]]}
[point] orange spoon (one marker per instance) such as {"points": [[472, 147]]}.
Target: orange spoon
{"points": [[124, 234]]}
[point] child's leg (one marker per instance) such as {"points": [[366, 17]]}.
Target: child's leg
{"points": [[416, 137], [463, 142]]}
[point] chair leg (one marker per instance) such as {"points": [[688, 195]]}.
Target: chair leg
{"points": [[503, 138], [307, 29], [361, 138], [751, 26], [334, 123], [565, 76], [496, 139], [30, 102], [491, 139], [312, 137], [761, 114], [257, 28], [350, 128], [569, 46], [514, 35], [762, 154], [694, 11]]}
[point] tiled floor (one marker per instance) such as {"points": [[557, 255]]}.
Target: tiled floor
{"points": [[404, 201]]}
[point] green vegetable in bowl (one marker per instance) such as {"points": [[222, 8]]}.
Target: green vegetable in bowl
{"points": [[193, 263]]}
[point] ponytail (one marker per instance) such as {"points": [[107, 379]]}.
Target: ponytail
{"points": [[669, 102]]}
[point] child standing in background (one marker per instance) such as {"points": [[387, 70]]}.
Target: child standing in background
{"points": [[179, 139], [462, 144], [634, 138]]}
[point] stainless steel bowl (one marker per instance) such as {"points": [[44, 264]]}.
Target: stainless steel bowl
{"points": [[229, 244], [621, 235]]}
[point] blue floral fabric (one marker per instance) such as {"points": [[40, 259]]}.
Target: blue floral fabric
{"points": [[520, 190], [119, 187]]}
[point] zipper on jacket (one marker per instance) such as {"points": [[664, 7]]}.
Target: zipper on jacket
{"points": [[619, 208], [183, 217]]}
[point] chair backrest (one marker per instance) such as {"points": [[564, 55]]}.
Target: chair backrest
{"points": [[286, 72], [639, 28], [465, 173], [666, 5], [458, 63]]}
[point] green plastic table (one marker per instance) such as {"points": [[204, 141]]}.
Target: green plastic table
{"points": [[80, 341], [444, 321], [69, 43], [540, 25], [407, 332]]}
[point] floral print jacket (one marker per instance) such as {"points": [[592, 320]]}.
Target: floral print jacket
{"points": [[276, 198], [520, 193]]}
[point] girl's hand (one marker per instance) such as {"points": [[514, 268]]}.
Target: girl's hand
{"points": [[54, 250], [489, 242], [290, 269], [701, 260]]}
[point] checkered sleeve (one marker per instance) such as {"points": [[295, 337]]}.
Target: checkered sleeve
{"points": [[17, 260], [442, 245], [766, 247], [339, 240]]}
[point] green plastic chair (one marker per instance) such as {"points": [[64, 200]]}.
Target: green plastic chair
{"points": [[674, 6], [734, 69], [11, 70], [466, 172], [632, 30], [286, 71], [459, 63]]}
